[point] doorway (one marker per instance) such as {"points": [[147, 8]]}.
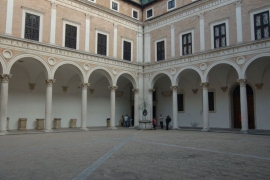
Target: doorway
{"points": [[236, 105]]}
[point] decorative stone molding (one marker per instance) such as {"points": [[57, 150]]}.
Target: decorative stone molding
{"points": [[174, 88], [242, 82], [5, 77], [113, 88], [91, 91], [240, 60], [32, 86], [224, 89], [259, 86], [119, 93], [135, 90], [51, 61], [203, 66], [115, 71], [7, 54], [151, 90], [84, 85], [166, 93], [194, 91], [86, 67], [205, 85], [49, 82], [173, 71], [64, 88]]}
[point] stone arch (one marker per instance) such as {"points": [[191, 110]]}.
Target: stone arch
{"points": [[177, 75], [79, 69], [41, 60], [129, 76], [236, 67], [244, 69], [3, 65], [106, 73], [155, 77]]}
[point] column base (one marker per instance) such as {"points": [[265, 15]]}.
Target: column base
{"points": [[244, 131], [48, 130], [205, 129], [175, 128], [84, 129], [112, 128], [2, 133]]}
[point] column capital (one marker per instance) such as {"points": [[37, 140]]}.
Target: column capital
{"points": [[201, 15], [135, 90], [172, 26], [64, 88], [113, 88], [32, 86], [53, 4], [242, 82], [115, 25], [49, 82], [174, 88], [151, 90], [84, 85], [5, 77], [88, 16], [238, 3], [205, 85]]}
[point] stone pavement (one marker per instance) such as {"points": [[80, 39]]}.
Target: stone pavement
{"points": [[134, 154]]}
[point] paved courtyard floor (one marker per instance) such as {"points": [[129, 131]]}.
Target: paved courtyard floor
{"points": [[135, 154]]}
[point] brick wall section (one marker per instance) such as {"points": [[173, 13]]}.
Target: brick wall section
{"points": [[130, 35], [164, 32], [40, 6], [247, 7], [3, 12]]}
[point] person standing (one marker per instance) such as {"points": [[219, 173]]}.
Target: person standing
{"points": [[126, 120], [168, 120], [154, 123], [122, 120], [161, 121]]}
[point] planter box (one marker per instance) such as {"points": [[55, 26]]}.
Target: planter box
{"points": [[72, 123], [22, 123], [40, 124], [57, 123]]}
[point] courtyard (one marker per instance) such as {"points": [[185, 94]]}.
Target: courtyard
{"points": [[135, 154]]}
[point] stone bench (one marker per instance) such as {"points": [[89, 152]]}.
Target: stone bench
{"points": [[40, 124], [57, 123], [72, 123], [22, 123]]}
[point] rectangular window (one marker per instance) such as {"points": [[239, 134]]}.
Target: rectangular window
{"points": [[127, 51], [71, 36], [187, 44], [211, 101], [102, 44], [171, 4], [115, 6], [180, 102], [149, 13], [135, 14], [32, 27], [261, 25], [220, 35], [160, 51]]}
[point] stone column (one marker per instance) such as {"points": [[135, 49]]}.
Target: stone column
{"points": [[84, 106], [48, 108], [53, 22], [139, 45], [113, 89], [151, 102], [87, 32], [239, 22], [174, 107], [9, 18], [115, 40], [172, 41], [4, 101], [202, 42], [244, 106], [205, 86], [136, 107]]}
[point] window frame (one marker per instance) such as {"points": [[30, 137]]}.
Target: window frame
{"points": [[118, 5], [132, 13], [96, 41], [252, 22], [192, 41], [131, 52], [219, 22], [34, 12], [165, 47], [72, 23], [215, 97], [168, 5], [220, 36], [183, 102], [149, 10]]}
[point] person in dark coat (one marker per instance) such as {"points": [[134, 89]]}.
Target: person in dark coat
{"points": [[168, 120]]}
